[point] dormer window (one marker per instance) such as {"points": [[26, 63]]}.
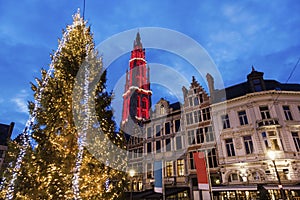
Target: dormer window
{"points": [[162, 109], [257, 85]]}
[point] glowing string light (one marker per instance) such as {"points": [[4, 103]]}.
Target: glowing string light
{"points": [[82, 136]]}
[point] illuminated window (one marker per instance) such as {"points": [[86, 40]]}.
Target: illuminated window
{"points": [[162, 109], [287, 113], [270, 140], [180, 167], [169, 168]]}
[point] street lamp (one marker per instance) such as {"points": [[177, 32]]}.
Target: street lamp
{"points": [[271, 155], [131, 174]]}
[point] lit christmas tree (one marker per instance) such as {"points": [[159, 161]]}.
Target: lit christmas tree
{"points": [[60, 166]]}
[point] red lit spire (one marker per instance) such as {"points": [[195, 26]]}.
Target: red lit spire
{"points": [[137, 94]]}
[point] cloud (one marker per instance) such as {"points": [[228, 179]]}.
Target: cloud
{"points": [[20, 102]]}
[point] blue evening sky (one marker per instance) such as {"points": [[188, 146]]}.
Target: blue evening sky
{"points": [[235, 34]]}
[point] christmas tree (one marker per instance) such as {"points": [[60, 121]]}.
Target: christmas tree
{"points": [[74, 132]]}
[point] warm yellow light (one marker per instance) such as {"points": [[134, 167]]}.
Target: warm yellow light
{"points": [[271, 154], [131, 172]]}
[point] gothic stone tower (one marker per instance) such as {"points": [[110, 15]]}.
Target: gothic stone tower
{"points": [[137, 94]]}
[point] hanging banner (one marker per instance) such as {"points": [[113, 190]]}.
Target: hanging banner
{"points": [[158, 177], [199, 159]]}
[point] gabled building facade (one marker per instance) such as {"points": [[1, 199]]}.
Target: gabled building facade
{"points": [[258, 116], [236, 127]]}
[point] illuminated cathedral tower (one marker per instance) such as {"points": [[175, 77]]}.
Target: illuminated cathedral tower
{"points": [[137, 94]]}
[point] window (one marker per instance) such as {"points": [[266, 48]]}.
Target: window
{"points": [[243, 117], [190, 101], [168, 144], [234, 177], [158, 147], [287, 113], [191, 137], [296, 140], [149, 147], [178, 143], [205, 114], [197, 116], [189, 118], [209, 134], [257, 85], [167, 128], [149, 135], [299, 108], [201, 98], [169, 168], [225, 121], [230, 147], [157, 129], [199, 135], [270, 140], [191, 158], [248, 144], [162, 109], [196, 101], [265, 139], [177, 125], [212, 158], [264, 111], [255, 176], [180, 167], [149, 170]]}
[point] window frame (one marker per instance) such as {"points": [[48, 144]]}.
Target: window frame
{"points": [[230, 147], [243, 117]]}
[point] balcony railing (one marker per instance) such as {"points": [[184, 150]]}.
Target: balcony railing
{"points": [[267, 122]]}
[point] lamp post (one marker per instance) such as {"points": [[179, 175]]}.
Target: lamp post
{"points": [[131, 174], [271, 155]]}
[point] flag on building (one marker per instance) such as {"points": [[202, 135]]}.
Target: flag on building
{"points": [[199, 159], [158, 177]]}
